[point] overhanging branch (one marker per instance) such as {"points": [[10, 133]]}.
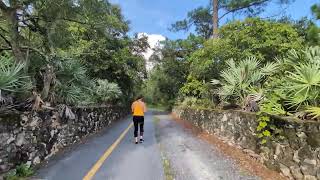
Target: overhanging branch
{"points": [[242, 7]]}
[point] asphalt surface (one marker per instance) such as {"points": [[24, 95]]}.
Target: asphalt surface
{"points": [[190, 158], [127, 162]]}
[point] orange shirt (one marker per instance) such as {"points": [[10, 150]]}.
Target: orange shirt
{"points": [[138, 108]]}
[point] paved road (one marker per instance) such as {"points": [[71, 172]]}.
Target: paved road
{"points": [[192, 158], [127, 162], [189, 157]]}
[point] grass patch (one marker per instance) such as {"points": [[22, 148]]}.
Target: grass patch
{"points": [[20, 173], [167, 168]]}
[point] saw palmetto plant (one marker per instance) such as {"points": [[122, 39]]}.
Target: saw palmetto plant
{"points": [[237, 79], [12, 76]]}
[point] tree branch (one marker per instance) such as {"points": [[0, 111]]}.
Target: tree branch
{"points": [[30, 18], [242, 7]]}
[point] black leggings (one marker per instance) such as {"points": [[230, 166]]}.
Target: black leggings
{"points": [[138, 120]]}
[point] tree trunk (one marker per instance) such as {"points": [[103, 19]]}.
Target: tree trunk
{"points": [[215, 18], [48, 78], [15, 39], [12, 19]]}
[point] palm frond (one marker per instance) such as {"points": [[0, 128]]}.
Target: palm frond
{"points": [[313, 55], [303, 84], [237, 78], [12, 77], [270, 68], [314, 111], [107, 91]]}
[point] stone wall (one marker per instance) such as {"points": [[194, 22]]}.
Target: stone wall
{"points": [[32, 137], [293, 150]]}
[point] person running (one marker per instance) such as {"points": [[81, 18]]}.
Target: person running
{"points": [[138, 109]]}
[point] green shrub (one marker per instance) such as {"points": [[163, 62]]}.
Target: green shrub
{"points": [[20, 172], [12, 76], [73, 86], [195, 102], [194, 88], [262, 39], [238, 79], [301, 83], [107, 92]]}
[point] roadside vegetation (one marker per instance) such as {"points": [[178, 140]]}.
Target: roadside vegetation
{"points": [[257, 65], [67, 52], [21, 172], [60, 54]]}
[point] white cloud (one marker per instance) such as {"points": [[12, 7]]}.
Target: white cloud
{"points": [[154, 41]]}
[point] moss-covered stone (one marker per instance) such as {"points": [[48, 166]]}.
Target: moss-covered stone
{"points": [[313, 139]]}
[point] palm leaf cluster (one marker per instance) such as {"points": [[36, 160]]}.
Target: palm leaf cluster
{"points": [[72, 83], [107, 91], [73, 86], [303, 78], [12, 76], [291, 84], [238, 79]]}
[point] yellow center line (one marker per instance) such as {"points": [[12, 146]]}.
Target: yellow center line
{"points": [[106, 154]]}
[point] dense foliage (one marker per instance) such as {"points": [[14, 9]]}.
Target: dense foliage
{"points": [[60, 49], [271, 66]]}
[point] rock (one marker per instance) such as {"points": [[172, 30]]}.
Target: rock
{"points": [[252, 154], [310, 161], [32, 155], [24, 120], [11, 149], [278, 150], [302, 135], [4, 137], [296, 157], [34, 123], [36, 160], [305, 152], [52, 133], [28, 163], [3, 168], [308, 177], [285, 170], [308, 170], [20, 139], [296, 172], [10, 140]]}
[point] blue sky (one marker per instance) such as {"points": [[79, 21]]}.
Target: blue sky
{"points": [[156, 16]]}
